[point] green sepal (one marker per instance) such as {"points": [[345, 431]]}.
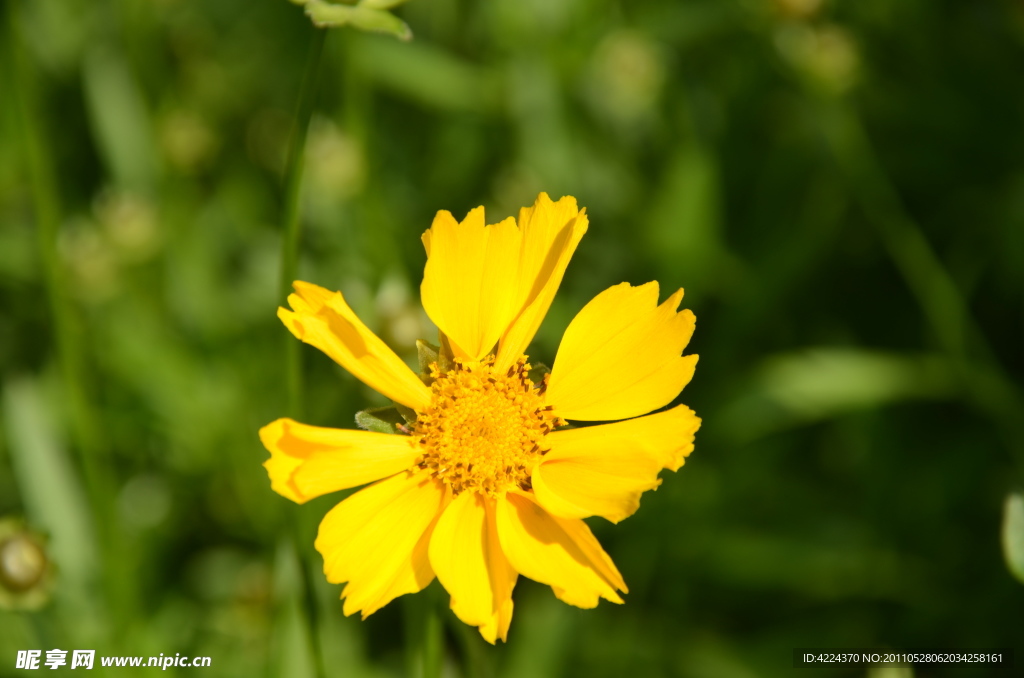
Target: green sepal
{"points": [[537, 372], [381, 21], [1013, 535], [381, 4], [328, 15], [445, 355], [381, 419], [408, 414], [427, 354]]}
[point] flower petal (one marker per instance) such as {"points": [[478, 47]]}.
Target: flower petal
{"points": [[551, 231], [561, 553], [465, 554], [377, 539], [322, 319], [308, 461], [620, 356], [603, 470], [469, 281]]}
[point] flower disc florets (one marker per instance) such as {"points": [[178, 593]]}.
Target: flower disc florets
{"points": [[484, 430]]}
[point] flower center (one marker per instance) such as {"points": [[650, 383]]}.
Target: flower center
{"points": [[484, 430]]}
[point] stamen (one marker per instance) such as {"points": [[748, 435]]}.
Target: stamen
{"points": [[484, 431]]}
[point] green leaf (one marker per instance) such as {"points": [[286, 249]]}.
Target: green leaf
{"points": [[820, 383], [432, 76], [121, 124], [381, 419], [54, 497], [1013, 534]]}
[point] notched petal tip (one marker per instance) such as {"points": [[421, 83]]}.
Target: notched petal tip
{"points": [[281, 466], [401, 512], [604, 470], [621, 355], [469, 280], [310, 461], [293, 321], [561, 553], [466, 555], [323, 319], [551, 232]]}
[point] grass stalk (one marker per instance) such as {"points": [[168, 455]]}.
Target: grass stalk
{"points": [[943, 305], [293, 208], [67, 331]]}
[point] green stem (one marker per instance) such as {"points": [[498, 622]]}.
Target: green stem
{"points": [[289, 265], [424, 633], [308, 570], [433, 641], [293, 207], [474, 650]]}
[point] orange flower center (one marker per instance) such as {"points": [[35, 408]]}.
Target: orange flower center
{"points": [[484, 430]]}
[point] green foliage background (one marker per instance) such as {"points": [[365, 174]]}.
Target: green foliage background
{"points": [[839, 186]]}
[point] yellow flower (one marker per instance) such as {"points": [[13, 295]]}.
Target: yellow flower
{"points": [[490, 484]]}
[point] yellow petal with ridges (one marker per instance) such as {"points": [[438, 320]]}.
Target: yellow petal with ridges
{"points": [[602, 470], [562, 553], [321, 318], [377, 540], [550, 233], [469, 281], [308, 461], [621, 357], [469, 563]]}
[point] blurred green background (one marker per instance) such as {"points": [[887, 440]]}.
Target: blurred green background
{"points": [[839, 186]]}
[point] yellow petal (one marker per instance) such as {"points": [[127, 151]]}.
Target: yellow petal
{"points": [[469, 563], [322, 319], [497, 626], [561, 553], [469, 281], [620, 356], [308, 461], [603, 470], [551, 231], [377, 539]]}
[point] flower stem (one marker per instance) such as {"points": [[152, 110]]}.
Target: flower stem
{"points": [[433, 642], [292, 207], [289, 264], [424, 633], [474, 649]]}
